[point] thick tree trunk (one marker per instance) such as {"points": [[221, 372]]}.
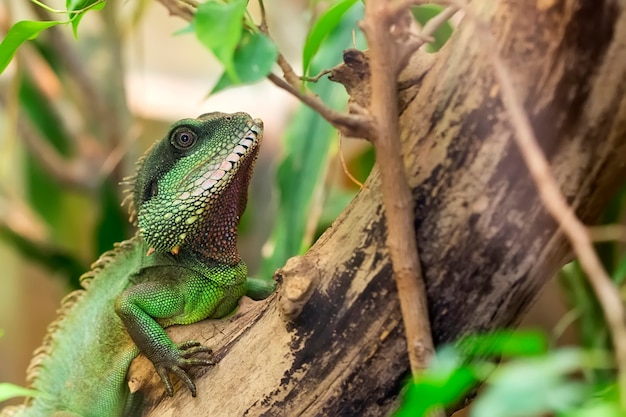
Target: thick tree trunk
{"points": [[487, 244]]}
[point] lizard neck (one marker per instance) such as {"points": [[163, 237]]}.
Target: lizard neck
{"points": [[218, 240]]}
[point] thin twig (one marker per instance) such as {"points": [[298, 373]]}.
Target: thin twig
{"points": [[426, 34], [557, 206], [180, 8], [317, 77], [344, 166], [354, 125], [70, 12], [608, 232], [263, 25], [290, 75], [347, 123], [435, 23], [350, 125], [397, 199]]}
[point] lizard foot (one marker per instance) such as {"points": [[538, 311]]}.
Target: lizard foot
{"points": [[178, 360]]}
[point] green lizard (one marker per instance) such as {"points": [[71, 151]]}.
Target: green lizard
{"points": [[189, 191]]}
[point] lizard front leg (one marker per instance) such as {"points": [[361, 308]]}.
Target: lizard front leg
{"points": [[138, 307], [163, 295]]}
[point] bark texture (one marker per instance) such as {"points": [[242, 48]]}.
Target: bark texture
{"points": [[487, 244]]}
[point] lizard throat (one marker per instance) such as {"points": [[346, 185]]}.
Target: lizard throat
{"points": [[200, 209], [217, 240]]}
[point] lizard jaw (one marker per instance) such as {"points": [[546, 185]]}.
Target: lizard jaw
{"points": [[173, 218]]}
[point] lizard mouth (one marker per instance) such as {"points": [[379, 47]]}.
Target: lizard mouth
{"points": [[217, 174], [214, 178]]}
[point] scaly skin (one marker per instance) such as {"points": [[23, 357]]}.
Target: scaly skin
{"points": [[183, 266]]}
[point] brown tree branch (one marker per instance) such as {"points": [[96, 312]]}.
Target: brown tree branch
{"points": [[353, 125], [350, 125], [380, 125], [385, 66], [555, 203], [181, 8], [487, 243], [608, 232]]}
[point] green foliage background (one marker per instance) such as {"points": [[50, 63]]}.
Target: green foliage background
{"points": [[84, 218]]}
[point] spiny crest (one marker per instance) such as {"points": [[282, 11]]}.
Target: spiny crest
{"points": [[129, 187], [69, 301]]}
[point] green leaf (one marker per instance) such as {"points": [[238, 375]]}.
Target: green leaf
{"points": [[307, 146], [254, 58], [190, 28], [43, 115], [76, 9], [604, 403], [436, 391], [322, 27], [535, 386], [597, 410], [8, 391], [445, 382], [219, 27], [426, 12], [17, 35], [506, 343]]}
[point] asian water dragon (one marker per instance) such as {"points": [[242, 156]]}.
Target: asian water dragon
{"points": [[188, 194]]}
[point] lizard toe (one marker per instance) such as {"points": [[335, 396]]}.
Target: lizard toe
{"points": [[164, 375]]}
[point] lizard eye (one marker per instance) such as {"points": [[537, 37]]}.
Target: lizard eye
{"points": [[184, 138]]}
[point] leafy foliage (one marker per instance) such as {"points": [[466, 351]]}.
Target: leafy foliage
{"points": [[26, 30], [532, 381], [326, 23], [535, 382], [246, 54], [307, 146], [253, 59], [219, 27], [76, 9], [17, 35]]}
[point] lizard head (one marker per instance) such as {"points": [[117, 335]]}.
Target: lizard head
{"points": [[191, 187]]}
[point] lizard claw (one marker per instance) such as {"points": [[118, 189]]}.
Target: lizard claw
{"points": [[178, 361]]}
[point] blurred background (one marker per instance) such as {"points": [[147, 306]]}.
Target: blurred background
{"points": [[76, 114]]}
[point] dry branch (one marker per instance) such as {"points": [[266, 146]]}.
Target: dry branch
{"points": [[606, 292], [386, 62], [487, 242]]}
